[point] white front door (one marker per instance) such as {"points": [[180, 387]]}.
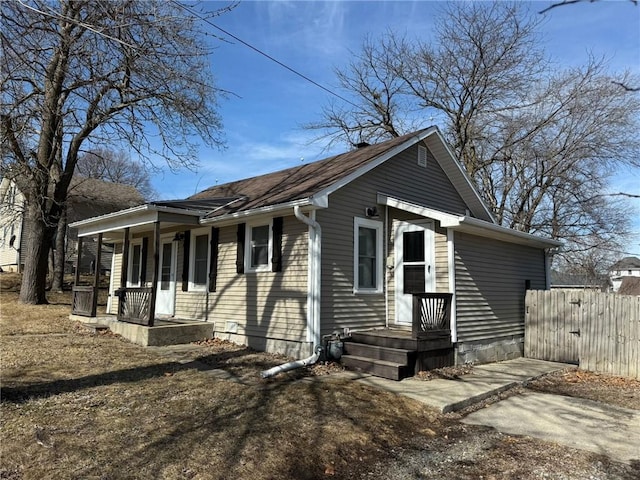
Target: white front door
{"points": [[414, 265], [166, 291]]}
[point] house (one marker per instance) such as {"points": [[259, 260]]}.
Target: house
{"points": [[11, 238], [384, 243], [628, 267], [87, 198]]}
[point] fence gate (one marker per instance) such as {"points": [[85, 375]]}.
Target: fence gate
{"points": [[598, 331], [553, 325]]}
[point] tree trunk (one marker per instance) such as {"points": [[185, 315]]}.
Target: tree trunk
{"points": [[36, 255], [60, 252]]}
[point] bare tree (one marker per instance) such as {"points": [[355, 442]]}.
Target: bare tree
{"points": [[538, 141], [563, 3], [117, 167], [77, 74]]}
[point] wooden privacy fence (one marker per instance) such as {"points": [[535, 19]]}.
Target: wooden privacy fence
{"points": [[598, 331]]}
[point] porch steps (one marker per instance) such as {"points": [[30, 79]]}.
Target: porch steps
{"points": [[375, 352], [379, 355], [379, 368], [374, 337]]}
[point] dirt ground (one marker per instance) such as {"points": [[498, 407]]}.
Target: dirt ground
{"points": [[623, 392], [77, 405]]}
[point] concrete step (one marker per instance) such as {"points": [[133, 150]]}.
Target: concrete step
{"points": [[375, 352], [379, 368]]}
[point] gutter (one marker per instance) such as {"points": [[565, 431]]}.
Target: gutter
{"points": [[313, 296], [145, 207]]}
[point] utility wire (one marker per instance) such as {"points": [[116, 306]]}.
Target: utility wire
{"points": [[257, 50]]}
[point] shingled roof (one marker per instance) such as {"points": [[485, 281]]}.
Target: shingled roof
{"points": [[630, 286], [627, 263], [297, 183], [90, 197]]}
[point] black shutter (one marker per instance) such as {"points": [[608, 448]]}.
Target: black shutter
{"points": [[185, 260], [240, 252], [143, 260], [213, 259], [276, 261]]}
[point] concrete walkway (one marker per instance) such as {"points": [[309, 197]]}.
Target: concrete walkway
{"points": [[483, 382], [574, 422]]}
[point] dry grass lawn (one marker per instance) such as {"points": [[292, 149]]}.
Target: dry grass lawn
{"points": [[77, 405]]}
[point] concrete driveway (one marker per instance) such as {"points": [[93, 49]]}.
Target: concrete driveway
{"points": [[574, 422]]}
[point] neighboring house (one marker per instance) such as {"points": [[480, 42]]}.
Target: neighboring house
{"points": [[88, 197], [572, 281], [625, 268], [280, 260], [630, 286], [11, 233]]}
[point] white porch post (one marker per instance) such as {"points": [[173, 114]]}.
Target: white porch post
{"points": [[451, 256]]}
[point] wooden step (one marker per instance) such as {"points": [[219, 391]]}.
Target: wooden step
{"points": [[379, 368], [435, 340], [375, 352], [387, 339]]}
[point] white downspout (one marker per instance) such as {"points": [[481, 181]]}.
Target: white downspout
{"points": [[313, 296]]}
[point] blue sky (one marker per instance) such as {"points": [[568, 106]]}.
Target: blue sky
{"points": [[263, 119]]}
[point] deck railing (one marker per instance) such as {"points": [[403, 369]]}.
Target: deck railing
{"points": [[431, 314], [134, 305], [84, 300]]}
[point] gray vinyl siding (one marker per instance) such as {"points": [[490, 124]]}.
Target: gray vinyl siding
{"points": [[469, 198], [400, 177], [490, 286]]}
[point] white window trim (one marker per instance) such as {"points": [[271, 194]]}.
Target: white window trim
{"points": [[378, 227], [196, 287], [130, 283], [247, 246]]}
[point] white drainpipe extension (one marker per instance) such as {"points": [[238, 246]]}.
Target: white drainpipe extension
{"points": [[313, 296]]}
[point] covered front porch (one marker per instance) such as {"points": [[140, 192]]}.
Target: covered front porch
{"points": [[141, 302]]}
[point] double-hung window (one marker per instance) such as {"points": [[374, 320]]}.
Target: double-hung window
{"points": [[259, 247], [199, 268], [367, 257], [135, 265]]}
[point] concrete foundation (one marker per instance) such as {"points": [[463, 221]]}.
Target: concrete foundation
{"points": [[286, 347], [489, 351], [172, 334]]}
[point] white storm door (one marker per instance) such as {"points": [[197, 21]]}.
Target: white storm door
{"points": [[166, 289], [414, 266]]}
